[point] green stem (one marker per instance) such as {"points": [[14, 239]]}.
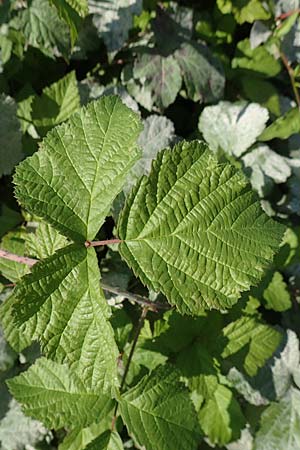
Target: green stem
{"points": [[292, 77]]}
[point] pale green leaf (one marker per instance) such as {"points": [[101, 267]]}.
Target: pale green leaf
{"points": [[81, 166], [80, 6], [277, 295], [80, 437], [44, 242], [160, 76], [18, 431], [258, 60], [232, 127], [62, 299], [203, 73], [259, 340], [57, 396], [221, 417], [13, 242], [10, 135], [246, 10], [44, 29], [159, 412], [280, 424], [109, 440], [56, 104], [283, 127], [195, 231], [113, 20]]}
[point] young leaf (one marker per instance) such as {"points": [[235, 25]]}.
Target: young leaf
{"points": [[283, 127], [81, 166], [57, 396], [259, 60], [194, 230], [277, 295], [244, 11], [56, 104], [159, 413], [10, 135], [232, 127], [62, 298], [280, 424]]}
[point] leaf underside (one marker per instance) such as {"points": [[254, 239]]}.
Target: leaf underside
{"points": [[195, 231]]}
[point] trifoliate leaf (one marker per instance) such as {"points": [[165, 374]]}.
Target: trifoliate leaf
{"points": [[277, 295], [114, 19], [81, 166], [280, 424], [62, 292], [18, 431], [203, 73], [283, 127], [10, 135], [56, 104], [259, 340], [194, 230], [245, 11], [109, 440], [257, 60], [159, 413], [221, 417], [57, 396], [44, 242], [44, 29], [160, 75], [158, 133], [266, 168], [232, 127]]}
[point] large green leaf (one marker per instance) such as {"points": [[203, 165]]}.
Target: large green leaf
{"points": [[194, 230], [57, 396], [81, 166], [10, 135], [159, 412], [62, 298], [203, 73], [280, 424], [56, 104]]}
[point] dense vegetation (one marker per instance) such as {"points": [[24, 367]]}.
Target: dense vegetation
{"points": [[149, 224]]}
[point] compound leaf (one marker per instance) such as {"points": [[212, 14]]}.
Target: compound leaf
{"points": [[159, 412], [194, 230], [62, 298], [81, 167], [57, 396]]}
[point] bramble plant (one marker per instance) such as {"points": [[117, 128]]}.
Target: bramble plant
{"points": [[149, 225]]}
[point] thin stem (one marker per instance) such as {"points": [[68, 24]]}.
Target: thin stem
{"points": [[139, 299], [292, 77], [105, 242], [136, 336], [20, 259], [287, 14]]}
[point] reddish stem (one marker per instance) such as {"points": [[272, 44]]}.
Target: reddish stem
{"points": [[20, 259], [106, 242], [287, 14]]}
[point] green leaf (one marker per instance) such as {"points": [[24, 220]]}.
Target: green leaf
{"points": [[159, 412], [56, 104], [71, 17], [232, 127], [44, 242], [80, 168], [221, 417], [80, 437], [9, 219], [283, 127], [194, 230], [244, 11], [62, 298], [161, 77], [258, 60], [10, 135], [44, 29], [203, 73], [259, 341], [7, 355], [276, 294], [57, 396], [113, 20], [280, 424], [18, 431], [109, 440], [263, 92], [13, 242]]}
